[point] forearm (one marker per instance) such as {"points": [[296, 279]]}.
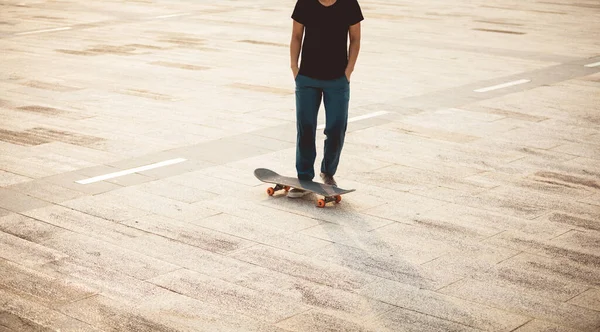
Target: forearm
{"points": [[353, 51], [295, 45]]}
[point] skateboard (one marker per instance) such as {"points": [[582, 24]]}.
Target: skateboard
{"points": [[329, 193]]}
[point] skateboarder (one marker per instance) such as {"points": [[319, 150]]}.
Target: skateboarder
{"points": [[324, 74]]}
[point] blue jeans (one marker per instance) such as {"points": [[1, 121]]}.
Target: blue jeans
{"points": [[336, 95]]}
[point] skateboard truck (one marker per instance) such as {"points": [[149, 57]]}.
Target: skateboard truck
{"points": [[321, 203], [272, 190]]}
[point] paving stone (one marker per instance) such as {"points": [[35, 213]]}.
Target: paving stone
{"points": [[279, 237], [540, 325], [112, 315], [104, 279], [304, 267], [523, 242], [235, 175], [268, 307], [104, 208], [46, 191], [191, 234], [16, 202], [533, 306], [431, 133], [408, 320], [190, 257], [582, 222], [488, 223], [214, 151], [296, 242], [442, 306], [342, 214], [583, 241], [271, 217], [543, 200], [83, 223], [558, 267], [318, 321], [5, 213], [469, 260], [91, 156], [405, 207], [21, 251], [36, 286], [589, 299], [8, 178], [327, 299], [385, 264], [494, 202], [527, 280], [406, 179], [580, 149], [592, 199], [199, 181], [18, 314], [174, 191], [157, 204], [108, 255], [27, 228], [190, 314], [379, 243], [538, 182]]}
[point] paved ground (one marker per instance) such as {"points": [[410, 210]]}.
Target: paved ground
{"points": [[475, 154]]}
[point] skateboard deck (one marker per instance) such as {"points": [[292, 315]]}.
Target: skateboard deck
{"points": [[329, 193]]}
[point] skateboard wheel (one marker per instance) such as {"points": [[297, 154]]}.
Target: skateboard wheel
{"points": [[338, 198], [321, 203], [287, 188], [270, 191]]}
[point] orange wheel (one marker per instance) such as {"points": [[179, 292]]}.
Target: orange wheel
{"points": [[321, 203], [338, 198], [287, 188], [270, 191]]}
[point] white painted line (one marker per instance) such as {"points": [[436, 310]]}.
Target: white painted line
{"points": [[591, 65], [171, 15], [131, 171], [503, 85], [362, 117], [41, 31]]}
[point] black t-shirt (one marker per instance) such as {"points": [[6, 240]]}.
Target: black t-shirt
{"points": [[325, 47]]}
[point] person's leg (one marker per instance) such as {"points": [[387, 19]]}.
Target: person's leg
{"points": [[308, 101], [336, 99]]}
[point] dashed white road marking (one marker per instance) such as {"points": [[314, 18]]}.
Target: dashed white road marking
{"points": [[362, 117], [42, 31], [171, 15], [503, 85], [591, 65], [131, 171]]}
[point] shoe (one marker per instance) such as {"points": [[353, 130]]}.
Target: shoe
{"points": [[328, 179], [296, 193]]}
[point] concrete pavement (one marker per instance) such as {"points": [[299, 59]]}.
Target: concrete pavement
{"points": [[129, 132]]}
